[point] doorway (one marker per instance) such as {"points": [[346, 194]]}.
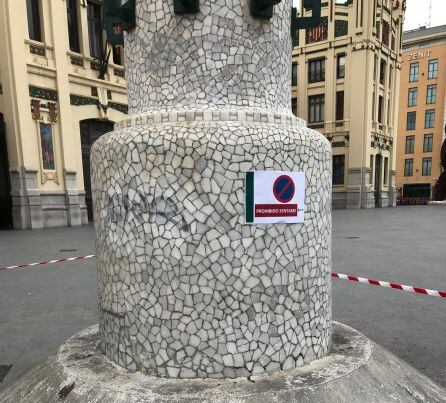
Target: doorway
{"points": [[91, 130], [378, 180], [5, 185]]}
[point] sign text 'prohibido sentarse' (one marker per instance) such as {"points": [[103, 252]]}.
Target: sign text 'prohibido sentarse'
{"points": [[275, 197]]}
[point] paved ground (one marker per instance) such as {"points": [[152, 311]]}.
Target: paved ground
{"points": [[42, 306]]}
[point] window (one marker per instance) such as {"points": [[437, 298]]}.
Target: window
{"points": [[316, 71], [411, 120], [382, 72], [431, 95], [413, 97], [372, 159], [34, 23], [73, 25], [340, 105], [95, 29], [380, 109], [413, 74], [294, 106], [433, 69], [117, 55], [316, 106], [427, 166], [390, 77], [428, 143], [386, 31], [340, 66], [429, 119], [408, 167], [294, 74], [410, 144], [386, 170], [338, 169], [389, 112]]}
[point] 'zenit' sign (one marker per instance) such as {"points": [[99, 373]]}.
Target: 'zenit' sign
{"points": [[419, 55]]}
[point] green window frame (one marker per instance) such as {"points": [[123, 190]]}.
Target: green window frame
{"points": [[412, 97], [428, 143], [429, 119], [427, 166], [433, 69], [411, 120], [413, 73], [408, 167], [431, 94], [410, 144]]}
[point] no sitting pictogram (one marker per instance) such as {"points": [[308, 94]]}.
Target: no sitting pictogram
{"points": [[284, 189]]}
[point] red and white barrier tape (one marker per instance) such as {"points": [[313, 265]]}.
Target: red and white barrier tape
{"points": [[401, 287], [21, 266], [407, 288]]}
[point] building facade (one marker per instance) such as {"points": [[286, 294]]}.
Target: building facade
{"points": [[348, 74], [422, 114], [59, 92]]}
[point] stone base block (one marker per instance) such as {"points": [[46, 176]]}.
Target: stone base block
{"points": [[438, 203], [357, 370]]}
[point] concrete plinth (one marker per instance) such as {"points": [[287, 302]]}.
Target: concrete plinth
{"points": [[356, 370]]}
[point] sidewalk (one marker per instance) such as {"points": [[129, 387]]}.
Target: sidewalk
{"points": [[42, 306]]}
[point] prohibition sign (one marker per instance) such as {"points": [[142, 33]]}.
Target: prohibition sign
{"points": [[284, 189]]}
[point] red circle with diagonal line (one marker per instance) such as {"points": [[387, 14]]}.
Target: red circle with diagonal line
{"points": [[284, 189]]}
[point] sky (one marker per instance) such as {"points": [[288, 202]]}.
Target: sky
{"points": [[417, 13]]}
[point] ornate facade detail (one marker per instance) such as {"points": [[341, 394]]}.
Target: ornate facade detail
{"points": [[119, 107], [80, 100], [52, 107], [49, 176], [43, 93], [37, 50], [35, 109]]}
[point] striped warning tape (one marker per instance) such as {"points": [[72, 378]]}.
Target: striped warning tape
{"points": [[402, 287], [20, 266]]}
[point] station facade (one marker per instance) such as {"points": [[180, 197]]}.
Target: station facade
{"points": [[58, 93], [348, 71], [422, 116]]}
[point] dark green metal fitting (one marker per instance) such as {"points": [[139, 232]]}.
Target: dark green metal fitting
{"points": [[125, 14], [263, 8], [186, 6], [315, 6]]}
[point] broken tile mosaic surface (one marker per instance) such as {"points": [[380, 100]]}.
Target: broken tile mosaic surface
{"points": [[187, 289]]}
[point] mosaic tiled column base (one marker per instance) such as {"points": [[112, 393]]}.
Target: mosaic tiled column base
{"points": [[187, 289]]}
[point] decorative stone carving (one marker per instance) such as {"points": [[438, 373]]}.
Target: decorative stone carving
{"points": [[35, 109], [52, 107]]}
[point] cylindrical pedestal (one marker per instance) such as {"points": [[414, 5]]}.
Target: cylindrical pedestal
{"points": [[187, 289]]}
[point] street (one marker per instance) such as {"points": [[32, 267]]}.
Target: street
{"points": [[42, 306]]}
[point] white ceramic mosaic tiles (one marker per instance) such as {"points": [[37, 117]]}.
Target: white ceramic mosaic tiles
{"points": [[187, 289]]}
